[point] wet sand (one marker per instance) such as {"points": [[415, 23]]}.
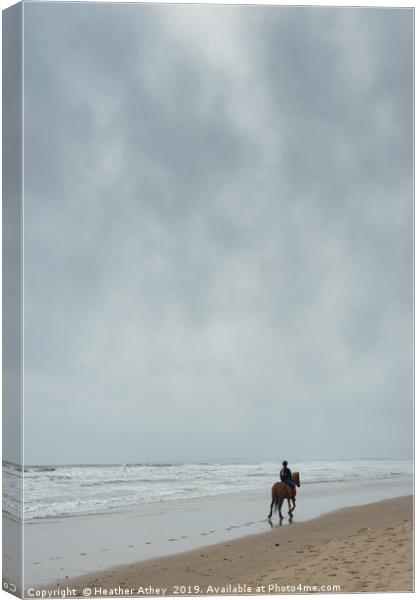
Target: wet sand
{"points": [[361, 548]]}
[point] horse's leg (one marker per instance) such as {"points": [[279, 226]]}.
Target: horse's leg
{"points": [[271, 509], [280, 504], [294, 504], [288, 504], [274, 501]]}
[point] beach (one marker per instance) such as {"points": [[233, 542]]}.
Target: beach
{"points": [[147, 515], [82, 519], [359, 548], [364, 548]]}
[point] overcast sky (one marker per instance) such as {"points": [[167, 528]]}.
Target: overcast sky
{"points": [[218, 232]]}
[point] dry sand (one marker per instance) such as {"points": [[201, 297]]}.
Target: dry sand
{"points": [[364, 548]]}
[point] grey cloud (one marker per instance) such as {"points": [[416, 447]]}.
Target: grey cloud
{"points": [[218, 232]]}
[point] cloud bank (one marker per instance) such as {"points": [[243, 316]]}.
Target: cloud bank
{"points": [[218, 232]]}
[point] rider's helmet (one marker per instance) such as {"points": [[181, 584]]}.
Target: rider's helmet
{"points": [[284, 463]]}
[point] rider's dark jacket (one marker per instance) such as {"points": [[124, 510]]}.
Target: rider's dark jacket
{"points": [[286, 475]]}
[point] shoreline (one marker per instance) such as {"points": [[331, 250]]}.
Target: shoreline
{"points": [[60, 549], [359, 548]]}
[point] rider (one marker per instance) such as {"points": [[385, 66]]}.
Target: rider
{"points": [[286, 475]]}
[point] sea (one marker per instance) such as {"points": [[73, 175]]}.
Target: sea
{"points": [[69, 490]]}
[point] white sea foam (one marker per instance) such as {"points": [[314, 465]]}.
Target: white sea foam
{"points": [[55, 491]]}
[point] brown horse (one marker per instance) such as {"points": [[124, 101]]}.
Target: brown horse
{"points": [[282, 491]]}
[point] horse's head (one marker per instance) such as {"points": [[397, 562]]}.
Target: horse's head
{"points": [[296, 478]]}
